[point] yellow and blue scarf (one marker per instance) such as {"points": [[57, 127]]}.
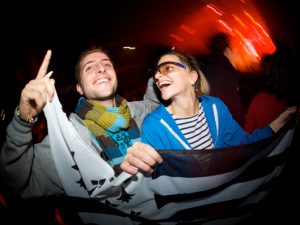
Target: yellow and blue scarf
{"points": [[112, 127]]}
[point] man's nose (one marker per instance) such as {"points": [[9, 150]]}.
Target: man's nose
{"points": [[100, 68]]}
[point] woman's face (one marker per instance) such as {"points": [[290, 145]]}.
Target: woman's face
{"points": [[172, 77]]}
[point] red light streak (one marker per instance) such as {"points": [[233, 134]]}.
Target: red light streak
{"points": [[215, 9]]}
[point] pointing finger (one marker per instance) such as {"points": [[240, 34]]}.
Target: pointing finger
{"points": [[44, 67]]}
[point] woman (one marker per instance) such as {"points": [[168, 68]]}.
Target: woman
{"points": [[189, 118]]}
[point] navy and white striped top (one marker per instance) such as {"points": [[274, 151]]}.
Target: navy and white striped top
{"points": [[195, 130]]}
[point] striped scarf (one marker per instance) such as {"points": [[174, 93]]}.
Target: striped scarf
{"points": [[112, 127]]}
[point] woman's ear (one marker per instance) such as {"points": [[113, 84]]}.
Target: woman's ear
{"points": [[79, 89], [194, 77]]}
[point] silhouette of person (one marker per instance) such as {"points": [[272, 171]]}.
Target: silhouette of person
{"points": [[279, 89], [222, 76]]}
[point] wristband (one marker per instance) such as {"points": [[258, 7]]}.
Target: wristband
{"points": [[28, 120]]}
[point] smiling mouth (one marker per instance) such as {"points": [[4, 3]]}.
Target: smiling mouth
{"points": [[102, 80], [164, 84]]}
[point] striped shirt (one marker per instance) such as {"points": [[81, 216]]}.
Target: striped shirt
{"points": [[195, 130]]}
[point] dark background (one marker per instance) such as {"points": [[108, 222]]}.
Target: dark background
{"points": [[29, 29]]}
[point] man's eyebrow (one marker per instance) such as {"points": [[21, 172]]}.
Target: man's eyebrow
{"points": [[88, 62]]}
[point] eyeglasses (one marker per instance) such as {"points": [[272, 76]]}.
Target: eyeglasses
{"points": [[168, 67]]}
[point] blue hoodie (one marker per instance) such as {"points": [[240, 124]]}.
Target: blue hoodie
{"points": [[161, 132]]}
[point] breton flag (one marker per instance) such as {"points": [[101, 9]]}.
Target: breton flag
{"points": [[208, 187]]}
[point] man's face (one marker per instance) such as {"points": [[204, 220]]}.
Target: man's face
{"points": [[98, 80]]}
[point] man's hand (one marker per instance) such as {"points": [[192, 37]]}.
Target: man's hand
{"points": [[36, 92]]}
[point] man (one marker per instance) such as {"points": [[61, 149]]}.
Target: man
{"points": [[107, 123]]}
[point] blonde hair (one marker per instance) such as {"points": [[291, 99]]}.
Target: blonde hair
{"points": [[202, 85]]}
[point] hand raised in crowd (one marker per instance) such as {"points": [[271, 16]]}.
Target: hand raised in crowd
{"points": [[35, 93], [140, 156]]}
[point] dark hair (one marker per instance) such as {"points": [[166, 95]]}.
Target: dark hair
{"points": [[265, 64], [281, 79], [218, 44], [84, 53]]}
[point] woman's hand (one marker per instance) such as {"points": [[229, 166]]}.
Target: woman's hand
{"points": [[140, 156]]}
